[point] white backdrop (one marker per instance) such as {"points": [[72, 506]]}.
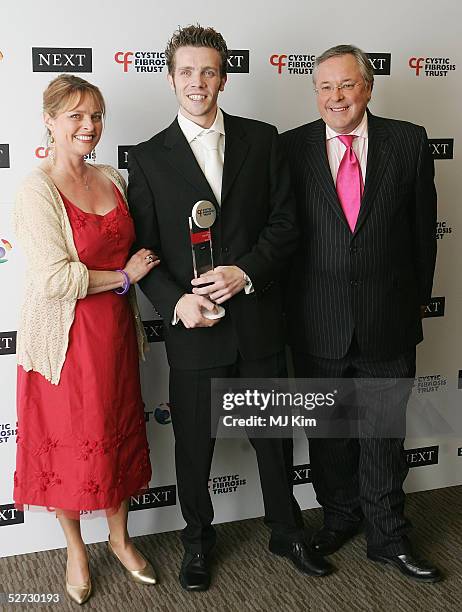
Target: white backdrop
{"points": [[278, 38]]}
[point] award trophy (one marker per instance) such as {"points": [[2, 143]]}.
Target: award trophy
{"points": [[202, 218]]}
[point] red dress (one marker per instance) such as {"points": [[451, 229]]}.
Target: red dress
{"points": [[82, 443]]}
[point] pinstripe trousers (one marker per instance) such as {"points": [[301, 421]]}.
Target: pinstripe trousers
{"points": [[358, 479]]}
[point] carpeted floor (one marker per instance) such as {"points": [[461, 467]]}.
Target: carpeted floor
{"points": [[247, 577]]}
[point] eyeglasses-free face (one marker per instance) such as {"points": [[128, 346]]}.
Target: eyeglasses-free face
{"points": [[76, 131], [197, 82], [342, 93]]}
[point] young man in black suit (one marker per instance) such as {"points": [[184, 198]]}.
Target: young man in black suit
{"points": [[360, 277], [254, 234]]}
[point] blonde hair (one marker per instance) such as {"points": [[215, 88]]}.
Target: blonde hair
{"points": [[66, 91]]}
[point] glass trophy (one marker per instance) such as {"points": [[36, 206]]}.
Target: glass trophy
{"points": [[202, 218]]}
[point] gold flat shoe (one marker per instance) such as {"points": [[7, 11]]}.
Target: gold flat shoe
{"points": [[147, 575], [80, 594]]}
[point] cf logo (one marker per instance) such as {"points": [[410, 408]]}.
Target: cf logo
{"points": [[278, 60], [205, 212], [416, 64], [41, 152], [124, 58]]}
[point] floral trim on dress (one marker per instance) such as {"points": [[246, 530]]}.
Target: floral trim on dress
{"points": [[47, 479], [47, 445]]}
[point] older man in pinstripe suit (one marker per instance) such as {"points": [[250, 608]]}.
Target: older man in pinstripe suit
{"points": [[363, 271]]}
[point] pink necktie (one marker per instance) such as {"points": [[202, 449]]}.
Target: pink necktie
{"points": [[349, 182]]}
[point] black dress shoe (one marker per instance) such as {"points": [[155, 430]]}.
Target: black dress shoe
{"points": [[195, 573], [304, 560], [409, 566], [326, 541]]}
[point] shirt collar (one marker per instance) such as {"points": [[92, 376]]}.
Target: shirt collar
{"points": [[360, 130], [191, 130]]}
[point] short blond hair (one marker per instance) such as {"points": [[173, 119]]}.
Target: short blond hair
{"points": [[66, 91]]}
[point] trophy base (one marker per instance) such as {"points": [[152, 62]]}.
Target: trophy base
{"points": [[219, 314]]}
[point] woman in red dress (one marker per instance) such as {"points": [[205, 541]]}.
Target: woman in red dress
{"points": [[82, 443]]}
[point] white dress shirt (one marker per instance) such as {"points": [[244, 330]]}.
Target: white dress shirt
{"points": [[336, 150], [192, 132]]}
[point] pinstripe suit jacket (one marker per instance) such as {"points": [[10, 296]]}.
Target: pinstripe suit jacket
{"points": [[372, 282]]}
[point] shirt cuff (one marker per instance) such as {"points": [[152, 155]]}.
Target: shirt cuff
{"points": [[176, 319], [248, 287]]}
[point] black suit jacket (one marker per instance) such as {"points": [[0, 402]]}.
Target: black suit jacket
{"points": [[255, 230], [372, 282]]}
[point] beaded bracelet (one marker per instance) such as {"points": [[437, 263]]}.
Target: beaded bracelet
{"points": [[126, 286]]}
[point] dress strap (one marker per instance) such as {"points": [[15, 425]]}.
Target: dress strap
{"points": [[121, 203]]}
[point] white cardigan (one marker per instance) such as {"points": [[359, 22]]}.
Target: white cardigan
{"points": [[55, 278]]}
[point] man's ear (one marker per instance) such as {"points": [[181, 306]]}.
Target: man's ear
{"points": [[171, 81], [223, 82]]}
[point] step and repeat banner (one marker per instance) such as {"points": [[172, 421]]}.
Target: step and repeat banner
{"points": [[415, 51]]}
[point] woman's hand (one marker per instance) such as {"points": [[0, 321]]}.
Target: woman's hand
{"points": [[139, 264]]}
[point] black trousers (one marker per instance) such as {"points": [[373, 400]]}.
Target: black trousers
{"points": [[194, 445], [361, 478]]}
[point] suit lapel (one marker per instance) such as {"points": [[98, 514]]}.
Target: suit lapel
{"points": [[316, 155], [182, 158], [378, 152], [236, 149]]}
